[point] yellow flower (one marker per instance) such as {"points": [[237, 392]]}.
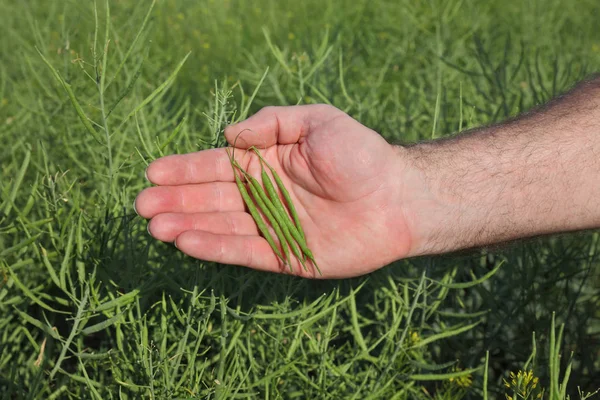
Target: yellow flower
{"points": [[291, 36], [464, 381], [206, 45], [523, 384], [414, 338]]}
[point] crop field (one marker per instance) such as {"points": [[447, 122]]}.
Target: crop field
{"points": [[92, 307]]}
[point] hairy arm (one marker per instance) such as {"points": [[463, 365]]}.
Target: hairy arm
{"points": [[365, 203], [538, 174]]}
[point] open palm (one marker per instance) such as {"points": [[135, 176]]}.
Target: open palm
{"points": [[343, 179]]}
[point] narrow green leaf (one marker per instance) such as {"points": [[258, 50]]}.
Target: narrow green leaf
{"points": [[90, 384], [118, 301], [358, 337], [74, 101], [172, 135], [102, 325], [30, 294], [475, 282], [17, 183], [4, 253], [563, 386], [62, 273], [448, 333], [244, 112], [158, 90], [58, 392], [81, 379], [442, 377], [432, 367], [49, 267], [128, 89], [93, 356], [133, 43], [485, 375], [38, 324], [74, 329]]}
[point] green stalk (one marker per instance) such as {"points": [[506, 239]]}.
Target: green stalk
{"points": [[101, 85]]}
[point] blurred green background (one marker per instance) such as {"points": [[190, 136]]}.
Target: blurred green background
{"points": [[92, 307]]}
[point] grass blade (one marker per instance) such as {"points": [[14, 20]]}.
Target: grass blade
{"points": [[244, 112], [447, 333], [475, 282], [133, 43], [74, 101], [19, 179], [49, 267], [18, 246], [30, 294], [172, 136], [118, 302], [158, 90], [38, 324], [74, 331], [442, 377], [102, 325]]}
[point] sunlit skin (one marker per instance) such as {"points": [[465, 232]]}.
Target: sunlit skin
{"points": [[341, 176], [364, 202]]}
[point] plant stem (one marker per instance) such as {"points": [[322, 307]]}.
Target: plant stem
{"points": [[101, 86]]}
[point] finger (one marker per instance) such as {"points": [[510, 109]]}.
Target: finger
{"points": [[168, 226], [205, 197], [200, 167], [248, 251], [278, 125]]}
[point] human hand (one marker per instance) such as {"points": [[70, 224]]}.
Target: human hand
{"points": [[344, 179]]}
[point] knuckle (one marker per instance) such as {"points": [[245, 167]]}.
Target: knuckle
{"points": [[219, 167], [269, 109], [221, 251], [249, 253], [218, 197], [231, 224]]}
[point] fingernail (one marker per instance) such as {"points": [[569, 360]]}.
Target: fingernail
{"points": [[148, 229], [175, 243], [134, 209], [146, 174]]}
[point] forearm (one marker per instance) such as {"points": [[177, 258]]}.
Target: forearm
{"points": [[536, 175]]}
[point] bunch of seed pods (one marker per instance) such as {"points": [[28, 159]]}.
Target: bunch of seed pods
{"points": [[283, 218]]}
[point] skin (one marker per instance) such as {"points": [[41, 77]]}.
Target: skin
{"points": [[364, 203]]}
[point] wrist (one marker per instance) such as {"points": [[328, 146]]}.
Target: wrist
{"points": [[465, 193], [432, 205], [499, 184], [426, 208]]}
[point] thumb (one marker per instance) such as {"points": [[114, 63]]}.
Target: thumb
{"points": [[278, 125]]}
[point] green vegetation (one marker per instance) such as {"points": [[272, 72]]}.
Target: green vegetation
{"points": [[92, 307]]}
